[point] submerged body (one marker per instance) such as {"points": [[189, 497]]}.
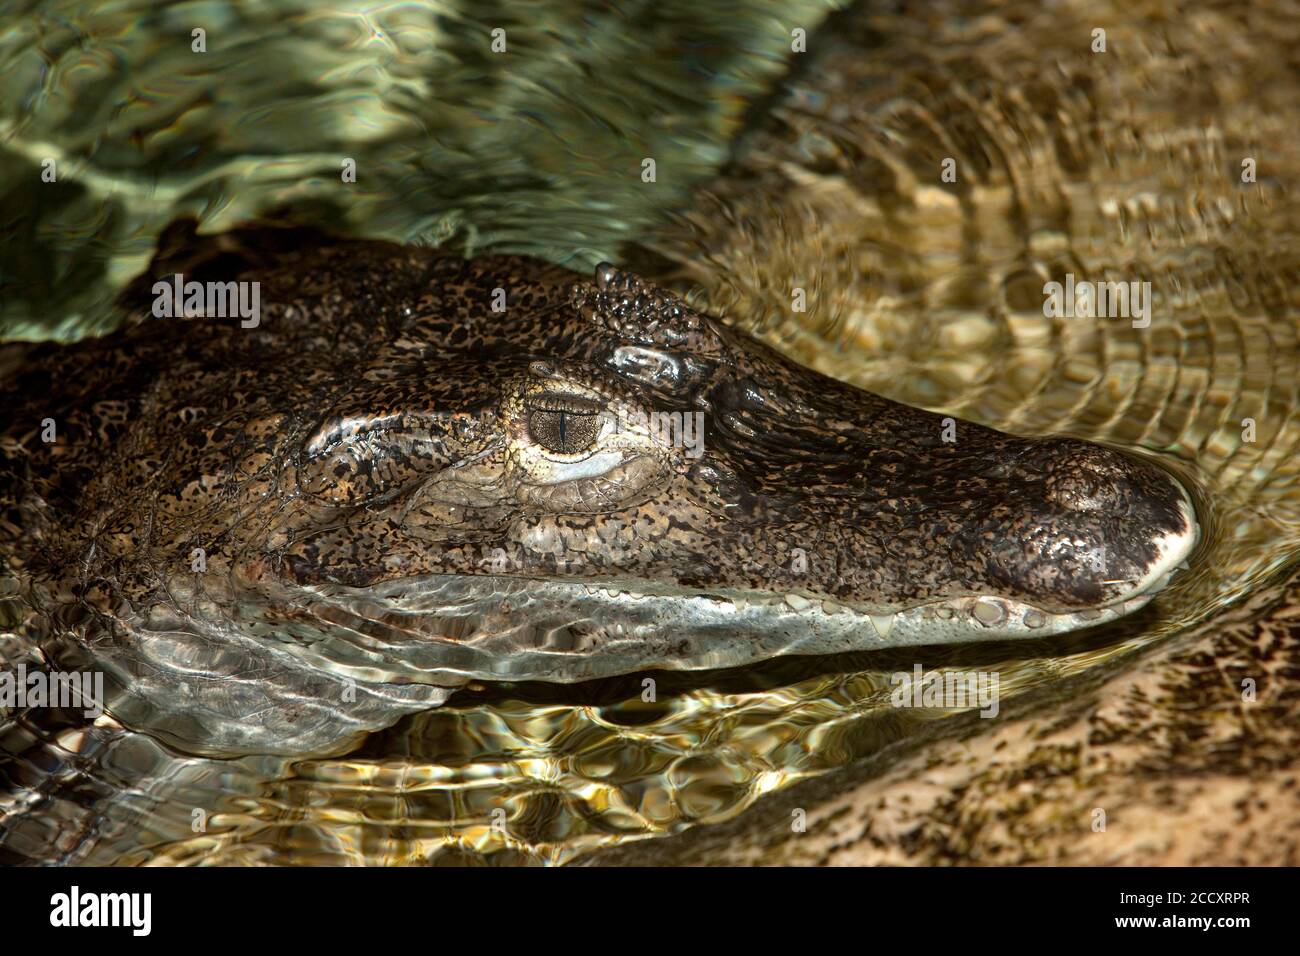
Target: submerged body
{"points": [[417, 470]]}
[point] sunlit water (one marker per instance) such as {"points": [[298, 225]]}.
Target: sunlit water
{"points": [[1125, 165]]}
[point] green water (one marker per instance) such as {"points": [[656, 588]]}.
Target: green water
{"points": [[536, 149]]}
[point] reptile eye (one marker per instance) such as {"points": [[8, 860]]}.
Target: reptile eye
{"points": [[564, 424], [563, 432]]}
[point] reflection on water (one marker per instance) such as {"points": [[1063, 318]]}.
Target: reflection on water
{"points": [[534, 149], [1119, 165]]}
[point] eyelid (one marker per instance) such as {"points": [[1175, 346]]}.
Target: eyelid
{"points": [[563, 402]]}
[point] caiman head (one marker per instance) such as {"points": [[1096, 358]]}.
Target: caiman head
{"points": [[499, 468], [557, 478], [415, 470]]}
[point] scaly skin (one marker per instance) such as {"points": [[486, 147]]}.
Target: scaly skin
{"points": [[383, 433]]}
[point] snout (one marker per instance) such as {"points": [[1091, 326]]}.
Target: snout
{"points": [[1099, 527]]}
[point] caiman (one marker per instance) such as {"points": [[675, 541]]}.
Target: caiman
{"points": [[414, 471]]}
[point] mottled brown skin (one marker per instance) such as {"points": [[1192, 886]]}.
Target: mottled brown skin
{"points": [[376, 425]]}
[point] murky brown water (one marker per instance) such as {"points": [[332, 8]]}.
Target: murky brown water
{"points": [[1123, 165]]}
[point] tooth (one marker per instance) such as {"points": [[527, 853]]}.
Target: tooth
{"points": [[830, 607], [884, 623], [1184, 566], [741, 603], [797, 602]]}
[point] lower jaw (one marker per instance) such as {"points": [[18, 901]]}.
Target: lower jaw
{"points": [[286, 668], [488, 627]]}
